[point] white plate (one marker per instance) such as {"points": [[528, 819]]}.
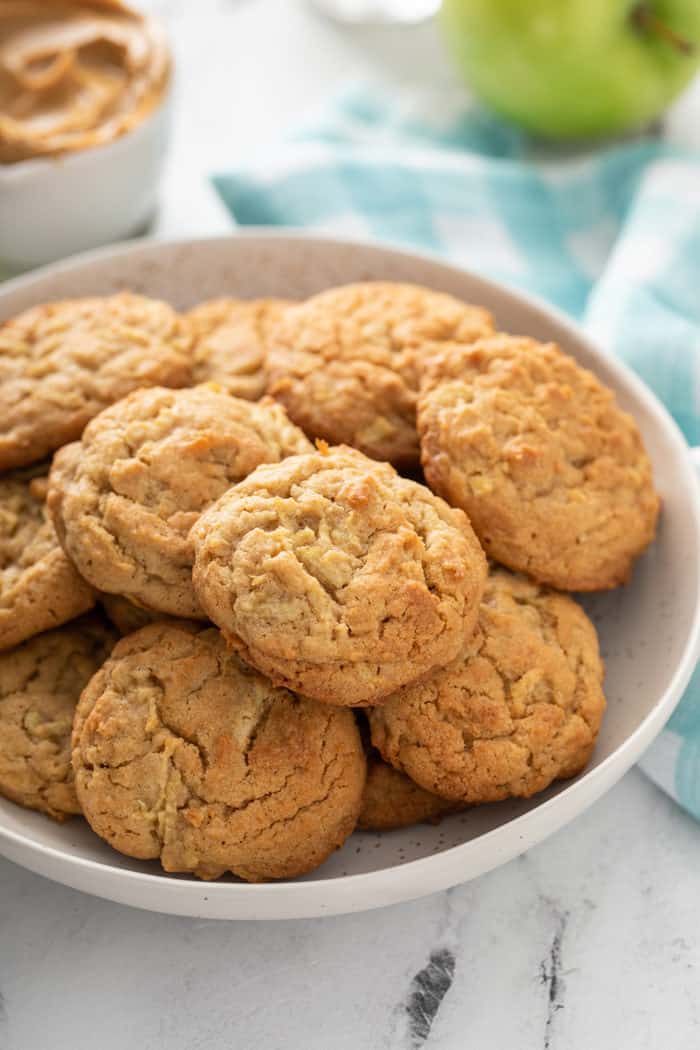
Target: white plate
{"points": [[650, 630]]}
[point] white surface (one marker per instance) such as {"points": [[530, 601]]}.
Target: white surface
{"points": [[649, 630], [622, 882], [76, 972]]}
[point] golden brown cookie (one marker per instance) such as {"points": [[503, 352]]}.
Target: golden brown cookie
{"points": [[125, 615], [183, 753], [124, 498], [39, 588], [62, 363], [345, 364], [40, 683], [230, 342], [392, 800], [553, 475], [520, 707], [336, 577]]}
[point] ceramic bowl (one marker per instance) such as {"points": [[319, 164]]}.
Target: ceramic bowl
{"points": [[649, 630], [52, 207]]}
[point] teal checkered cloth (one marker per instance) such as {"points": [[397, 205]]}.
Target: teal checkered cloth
{"points": [[612, 237]]}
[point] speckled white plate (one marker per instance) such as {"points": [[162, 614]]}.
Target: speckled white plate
{"points": [[650, 630]]}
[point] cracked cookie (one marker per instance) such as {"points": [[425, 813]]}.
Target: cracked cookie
{"points": [[230, 342], [183, 753], [336, 577], [519, 708], [40, 683], [345, 363], [392, 800], [553, 475], [39, 587], [62, 363], [124, 498]]}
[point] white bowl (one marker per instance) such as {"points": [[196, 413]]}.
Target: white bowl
{"points": [[650, 630], [54, 207]]}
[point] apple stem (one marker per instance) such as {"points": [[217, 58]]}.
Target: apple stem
{"points": [[649, 22]]}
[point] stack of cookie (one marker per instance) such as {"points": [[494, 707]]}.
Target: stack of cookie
{"points": [[267, 588]]}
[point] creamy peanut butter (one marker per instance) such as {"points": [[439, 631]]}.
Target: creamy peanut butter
{"points": [[75, 74]]}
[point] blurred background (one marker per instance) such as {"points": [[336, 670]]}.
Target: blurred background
{"points": [[537, 81], [250, 71]]}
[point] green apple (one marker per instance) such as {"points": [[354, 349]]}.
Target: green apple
{"points": [[575, 68]]}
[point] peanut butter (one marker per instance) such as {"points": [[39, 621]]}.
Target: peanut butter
{"points": [[75, 74]]}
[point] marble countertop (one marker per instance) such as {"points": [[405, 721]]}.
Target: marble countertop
{"points": [[590, 940]]}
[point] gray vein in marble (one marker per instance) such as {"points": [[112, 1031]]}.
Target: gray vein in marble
{"points": [[551, 972], [413, 1017], [428, 988]]}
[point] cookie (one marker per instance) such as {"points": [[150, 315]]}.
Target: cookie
{"points": [[124, 498], [230, 342], [345, 364], [39, 587], [519, 708], [40, 683], [126, 616], [184, 754], [62, 363], [392, 800], [553, 475], [336, 577]]}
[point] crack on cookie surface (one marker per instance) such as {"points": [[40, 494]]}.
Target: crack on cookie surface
{"points": [[39, 588], [519, 708], [207, 766], [230, 342], [336, 577], [345, 362], [552, 473], [40, 683], [61, 363], [125, 497]]}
